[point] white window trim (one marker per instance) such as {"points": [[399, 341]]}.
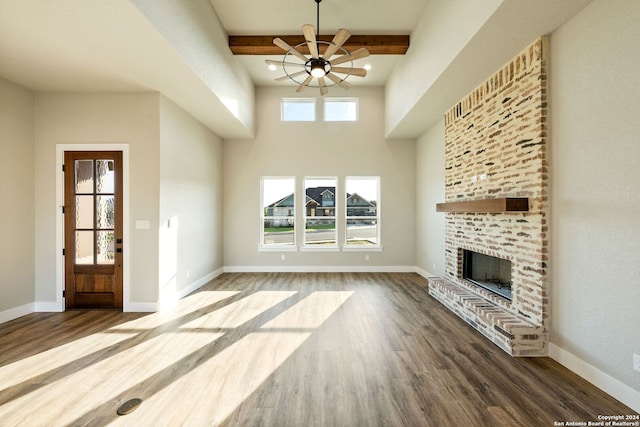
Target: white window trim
{"points": [[299, 101], [277, 248], [314, 248], [311, 248], [362, 248], [357, 248], [340, 99]]}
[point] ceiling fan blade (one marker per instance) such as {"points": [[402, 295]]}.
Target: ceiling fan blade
{"points": [[356, 54], [337, 80], [310, 36], [338, 40], [278, 63], [283, 45], [323, 86], [304, 84], [360, 72], [299, 73]]}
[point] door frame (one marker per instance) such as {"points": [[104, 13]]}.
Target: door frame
{"points": [[59, 304]]}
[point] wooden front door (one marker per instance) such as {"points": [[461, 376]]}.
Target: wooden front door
{"points": [[93, 229]]}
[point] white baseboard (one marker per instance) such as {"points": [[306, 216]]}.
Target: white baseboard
{"points": [[14, 313], [140, 307], [49, 306], [320, 269], [201, 282], [603, 381], [424, 273], [170, 300]]}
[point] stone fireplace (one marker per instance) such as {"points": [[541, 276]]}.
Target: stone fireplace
{"points": [[495, 148]]}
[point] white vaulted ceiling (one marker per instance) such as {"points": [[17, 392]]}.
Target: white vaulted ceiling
{"points": [[178, 48]]}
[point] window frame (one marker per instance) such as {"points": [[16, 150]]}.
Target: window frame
{"points": [[307, 247], [288, 247], [311, 101], [362, 248], [337, 100]]}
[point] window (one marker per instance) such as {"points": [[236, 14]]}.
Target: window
{"points": [[363, 215], [320, 213], [341, 109], [278, 213], [298, 109]]}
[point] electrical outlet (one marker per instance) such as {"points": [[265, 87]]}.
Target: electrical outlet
{"points": [[366, 257], [283, 257], [636, 362]]}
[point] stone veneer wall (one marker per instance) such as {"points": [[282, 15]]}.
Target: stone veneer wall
{"points": [[495, 146]]}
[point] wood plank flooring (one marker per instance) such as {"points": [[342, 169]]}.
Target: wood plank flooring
{"points": [[330, 349]]}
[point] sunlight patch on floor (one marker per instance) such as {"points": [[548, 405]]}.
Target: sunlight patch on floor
{"points": [[221, 383], [241, 311], [39, 364], [187, 305], [99, 381], [310, 312]]}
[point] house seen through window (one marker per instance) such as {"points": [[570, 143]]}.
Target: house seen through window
{"points": [[320, 212], [360, 225], [362, 218], [278, 212]]}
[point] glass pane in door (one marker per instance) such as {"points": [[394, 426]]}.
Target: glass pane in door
{"points": [[105, 214], [84, 247], [84, 212], [105, 179], [95, 211], [84, 176], [104, 247]]}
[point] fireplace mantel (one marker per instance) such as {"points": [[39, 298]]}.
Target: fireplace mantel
{"points": [[494, 205]]}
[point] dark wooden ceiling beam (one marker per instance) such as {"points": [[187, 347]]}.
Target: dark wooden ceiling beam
{"points": [[263, 45]]}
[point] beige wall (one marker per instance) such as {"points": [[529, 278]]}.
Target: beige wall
{"points": [[194, 30], [100, 119], [190, 226], [595, 200], [17, 267], [430, 255], [442, 32], [319, 149]]}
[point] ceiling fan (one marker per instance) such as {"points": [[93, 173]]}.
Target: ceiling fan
{"points": [[319, 66]]}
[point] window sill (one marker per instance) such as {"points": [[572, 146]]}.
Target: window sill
{"points": [[320, 249], [362, 248], [276, 248]]}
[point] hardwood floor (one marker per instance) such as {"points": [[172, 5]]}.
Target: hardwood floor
{"points": [[334, 349]]}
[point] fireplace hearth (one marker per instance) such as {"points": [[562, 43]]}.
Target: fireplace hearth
{"points": [[491, 273]]}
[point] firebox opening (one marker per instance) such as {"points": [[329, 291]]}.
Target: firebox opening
{"points": [[491, 273]]}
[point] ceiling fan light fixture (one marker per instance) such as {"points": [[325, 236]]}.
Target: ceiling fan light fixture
{"points": [[318, 67], [318, 71]]}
